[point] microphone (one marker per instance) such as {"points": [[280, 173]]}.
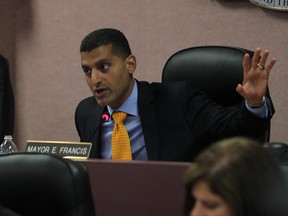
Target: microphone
{"points": [[105, 116]]}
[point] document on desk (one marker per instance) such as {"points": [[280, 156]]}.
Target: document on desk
{"points": [[73, 150]]}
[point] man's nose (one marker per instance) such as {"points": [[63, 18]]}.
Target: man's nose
{"points": [[96, 76]]}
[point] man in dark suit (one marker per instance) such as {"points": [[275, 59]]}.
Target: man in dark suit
{"points": [[170, 122]]}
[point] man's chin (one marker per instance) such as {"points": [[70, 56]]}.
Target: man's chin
{"points": [[102, 102]]}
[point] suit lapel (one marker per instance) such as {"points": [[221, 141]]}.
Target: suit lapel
{"points": [[147, 112], [94, 131]]}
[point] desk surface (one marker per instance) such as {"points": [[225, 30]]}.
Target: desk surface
{"points": [[137, 188]]}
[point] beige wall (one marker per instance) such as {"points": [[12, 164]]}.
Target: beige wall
{"points": [[41, 40]]}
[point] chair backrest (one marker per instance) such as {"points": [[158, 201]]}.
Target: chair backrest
{"points": [[279, 150], [6, 100], [43, 184], [215, 70]]}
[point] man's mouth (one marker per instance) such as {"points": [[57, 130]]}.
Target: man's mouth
{"points": [[99, 92]]}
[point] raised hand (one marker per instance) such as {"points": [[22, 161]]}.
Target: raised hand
{"points": [[256, 75]]}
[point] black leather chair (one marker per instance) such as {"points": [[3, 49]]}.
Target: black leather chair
{"points": [[279, 150], [7, 212], [6, 100], [216, 70], [43, 184]]}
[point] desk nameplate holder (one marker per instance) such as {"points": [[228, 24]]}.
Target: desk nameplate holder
{"points": [[71, 150]]}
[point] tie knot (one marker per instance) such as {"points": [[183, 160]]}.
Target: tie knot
{"points": [[119, 116]]}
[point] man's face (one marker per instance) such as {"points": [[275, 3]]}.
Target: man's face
{"points": [[108, 76]]}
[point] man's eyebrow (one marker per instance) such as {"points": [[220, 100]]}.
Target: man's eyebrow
{"points": [[101, 61], [83, 66], [97, 63]]}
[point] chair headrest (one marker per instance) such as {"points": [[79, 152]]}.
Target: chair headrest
{"points": [[209, 68], [49, 184]]}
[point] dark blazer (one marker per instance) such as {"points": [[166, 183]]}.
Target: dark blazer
{"points": [[177, 121]]}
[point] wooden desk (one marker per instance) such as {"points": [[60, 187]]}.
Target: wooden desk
{"points": [[137, 188]]}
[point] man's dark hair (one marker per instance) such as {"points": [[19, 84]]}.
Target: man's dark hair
{"points": [[106, 36]]}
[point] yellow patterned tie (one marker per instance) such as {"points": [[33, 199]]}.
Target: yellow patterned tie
{"points": [[121, 149]]}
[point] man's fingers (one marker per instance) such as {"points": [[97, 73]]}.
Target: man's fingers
{"points": [[270, 65], [256, 58]]}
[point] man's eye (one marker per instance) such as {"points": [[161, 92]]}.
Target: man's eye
{"points": [[86, 71], [105, 67]]}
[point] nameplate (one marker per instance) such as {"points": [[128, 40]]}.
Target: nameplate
{"points": [[73, 150]]}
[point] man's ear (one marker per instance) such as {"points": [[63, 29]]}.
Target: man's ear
{"points": [[131, 63]]}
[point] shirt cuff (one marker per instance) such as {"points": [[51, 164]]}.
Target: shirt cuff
{"points": [[261, 112]]}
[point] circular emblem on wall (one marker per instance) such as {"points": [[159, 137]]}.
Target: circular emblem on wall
{"points": [[281, 5]]}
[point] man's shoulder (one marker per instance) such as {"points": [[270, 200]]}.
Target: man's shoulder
{"points": [[88, 100], [87, 103], [162, 92], [160, 85]]}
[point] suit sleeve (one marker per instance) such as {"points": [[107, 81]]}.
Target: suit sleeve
{"points": [[210, 121]]}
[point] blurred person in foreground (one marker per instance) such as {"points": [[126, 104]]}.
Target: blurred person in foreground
{"points": [[236, 177], [166, 122]]}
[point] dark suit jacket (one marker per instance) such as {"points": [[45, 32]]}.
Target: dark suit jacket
{"points": [[177, 121]]}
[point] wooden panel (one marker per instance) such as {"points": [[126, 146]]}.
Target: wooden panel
{"points": [[137, 188]]}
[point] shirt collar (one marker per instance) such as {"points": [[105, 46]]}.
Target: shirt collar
{"points": [[130, 106]]}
